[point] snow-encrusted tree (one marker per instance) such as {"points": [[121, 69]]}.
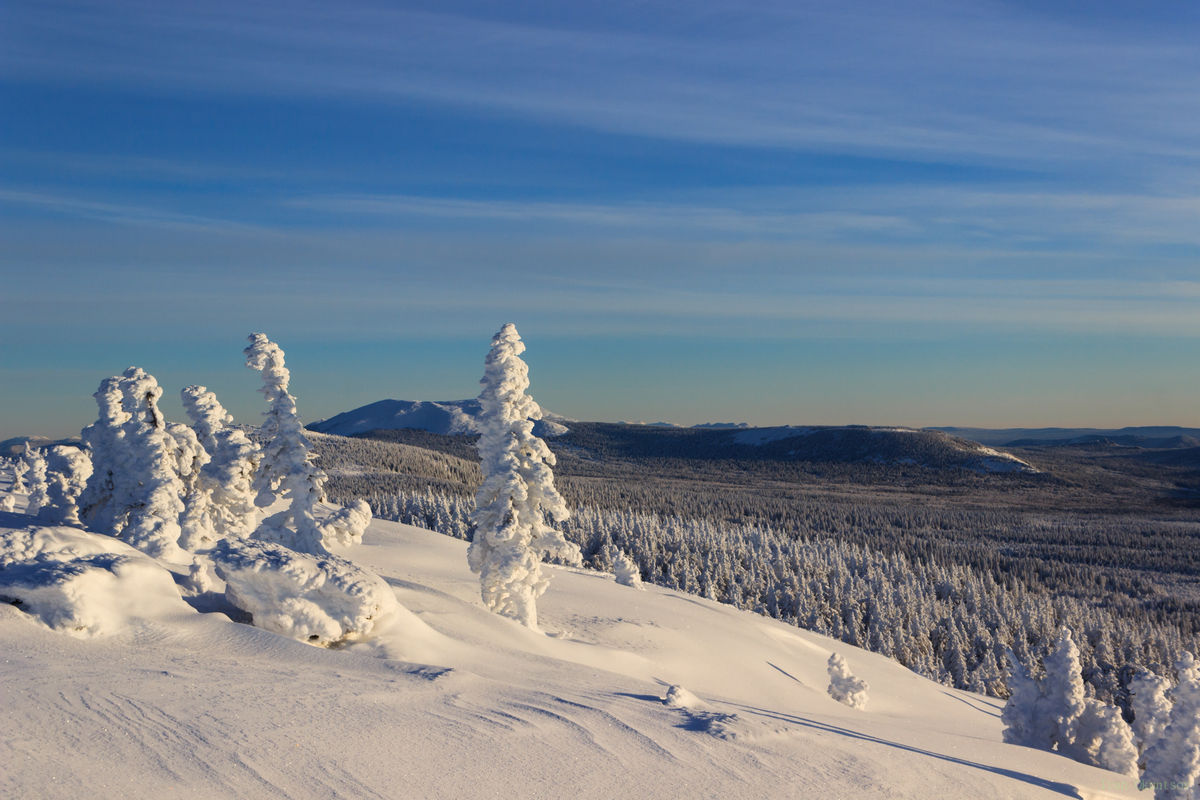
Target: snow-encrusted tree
{"points": [[1020, 711], [221, 501], [843, 685], [35, 475], [1151, 707], [66, 471], [20, 470], [286, 470], [1173, 757], [135, 491], [625, 571], [517, 503], [1062, 697], [1055, 714]]}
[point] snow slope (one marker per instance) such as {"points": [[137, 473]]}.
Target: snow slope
{"points": [[452, 701]]}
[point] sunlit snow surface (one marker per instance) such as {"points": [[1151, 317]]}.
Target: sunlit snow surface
{"points": [[448, 700]]}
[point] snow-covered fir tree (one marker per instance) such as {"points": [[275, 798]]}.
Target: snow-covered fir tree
{"points": [[844, 686], [517, 502], [287, 470], [221, 501]]}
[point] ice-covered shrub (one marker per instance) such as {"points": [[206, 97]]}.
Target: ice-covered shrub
{"points": [[517, 502], [220, 502], [321, 599], [286, 470], [83, 583], [843, 685]]}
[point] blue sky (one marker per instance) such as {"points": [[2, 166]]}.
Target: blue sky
{"points": [[974, 213]]}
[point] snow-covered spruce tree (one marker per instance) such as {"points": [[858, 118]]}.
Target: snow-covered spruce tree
{"points": [[517, 502], [1173, 758], [135, 491], [67, 470], [286, 470], [843, 685], [221, 502]]}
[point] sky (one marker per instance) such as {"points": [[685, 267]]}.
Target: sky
{"points": [[894, 213]]}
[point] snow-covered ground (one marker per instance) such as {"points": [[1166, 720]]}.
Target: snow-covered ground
{"points": [[175, 699]]}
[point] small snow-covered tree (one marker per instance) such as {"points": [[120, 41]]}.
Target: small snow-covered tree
{"points": [[843, 685], [221, 501], [1021, 708], [1062, 698], [1055, 714], [1173, 758], [67, 470], [20, 470], [625, 571], [286, 470], [1151, 708], [35, 473], [1104, 739], [517, 503]]}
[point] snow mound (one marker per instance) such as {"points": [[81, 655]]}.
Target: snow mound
{"points": [[446, 417], [83, 583], [324, 600]]}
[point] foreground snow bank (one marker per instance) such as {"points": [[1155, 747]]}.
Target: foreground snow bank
{"points": [[322, 599], [82, 583]]}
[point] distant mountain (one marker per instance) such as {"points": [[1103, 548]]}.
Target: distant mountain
{"points": [[15, 446], [1156, 436], [445, 417]]}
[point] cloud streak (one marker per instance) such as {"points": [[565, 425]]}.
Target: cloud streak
{"points": [[928, 80]]}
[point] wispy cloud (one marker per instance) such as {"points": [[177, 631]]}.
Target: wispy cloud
{"points": [[930, 80]]}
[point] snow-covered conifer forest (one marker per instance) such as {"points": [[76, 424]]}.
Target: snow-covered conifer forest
{"points": [[221, 610]]}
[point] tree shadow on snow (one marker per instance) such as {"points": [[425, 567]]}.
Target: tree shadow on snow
{"points": [[980, 706], [1054, 786]]}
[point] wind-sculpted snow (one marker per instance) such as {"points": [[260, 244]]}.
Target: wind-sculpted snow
{"points": [[81, 583], [321, 599]]}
